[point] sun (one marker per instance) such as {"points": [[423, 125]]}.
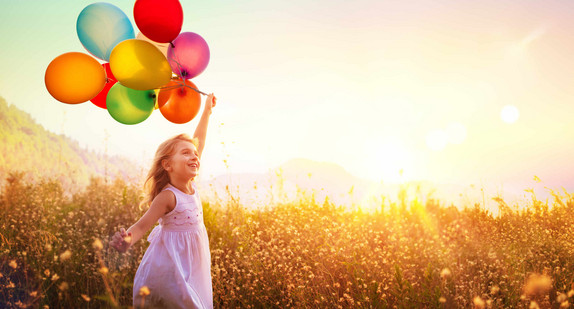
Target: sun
{"points": [[390, 161], [509, 114], [437, 139]]}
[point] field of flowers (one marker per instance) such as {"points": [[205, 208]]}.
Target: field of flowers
{"points": [[295, 254]]}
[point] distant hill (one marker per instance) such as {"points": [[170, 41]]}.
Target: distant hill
{"points": [[25, 146], [324, 179], [320, 179]]}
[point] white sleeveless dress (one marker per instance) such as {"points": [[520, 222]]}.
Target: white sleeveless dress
{"points": [[177, 264]]}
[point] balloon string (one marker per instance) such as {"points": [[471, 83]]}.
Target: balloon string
{"points": [[182, 85], [179, 68]]}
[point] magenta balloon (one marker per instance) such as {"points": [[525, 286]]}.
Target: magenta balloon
{"points": [[188, 55]]}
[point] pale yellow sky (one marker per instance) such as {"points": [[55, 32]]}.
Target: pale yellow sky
{"points": [[376, 87]]}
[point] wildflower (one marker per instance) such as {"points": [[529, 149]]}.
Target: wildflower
{"points": [[478, 302], [13, 264], [144, 291], [33, 294], [86, 297], [533, 305], [55, 277], [48, 247], [97, 244], [570, 293], [66, 255], [494, 289], [442, 300], [103, 270], [565, 304], [537, 284], [64, 286], [561, 298], [47, 272], [537, 179], [445, 273]]}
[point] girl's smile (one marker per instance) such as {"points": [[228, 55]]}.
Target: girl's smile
{"points": [[184, 164]]}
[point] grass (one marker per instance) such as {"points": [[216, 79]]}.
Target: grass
{"points": [[303, 253]]}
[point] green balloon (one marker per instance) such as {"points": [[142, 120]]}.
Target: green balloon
{"points": [[129, 106]]}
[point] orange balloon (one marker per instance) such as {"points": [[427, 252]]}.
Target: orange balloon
{"points": [[179, 103], [74, 78]]}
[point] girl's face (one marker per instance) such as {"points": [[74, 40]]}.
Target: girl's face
{"points": [[184, 163]]}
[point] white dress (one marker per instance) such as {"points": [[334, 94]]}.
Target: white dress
{"points": [[177, 264]]}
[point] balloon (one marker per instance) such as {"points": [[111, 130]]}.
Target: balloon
{"points": [[159, 20], [139, 65], [129, 106], [156, 106], [189, 55], [100, 99], [161, 46], [74, 78], [179, 104], [101, 26]]}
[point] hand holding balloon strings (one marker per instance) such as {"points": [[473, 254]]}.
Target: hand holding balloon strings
{"points": [[179, 85]]}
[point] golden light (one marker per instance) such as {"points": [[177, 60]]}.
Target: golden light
{"points": [[437, 139], [456, 133], [509, 114], [391, 161]]}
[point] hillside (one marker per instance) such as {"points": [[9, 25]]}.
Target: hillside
{"points": [[25, 146]]}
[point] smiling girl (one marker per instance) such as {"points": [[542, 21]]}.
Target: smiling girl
{"points": [[176, 268]]}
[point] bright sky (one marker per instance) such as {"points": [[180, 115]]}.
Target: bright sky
{"points": [[447, 91]]}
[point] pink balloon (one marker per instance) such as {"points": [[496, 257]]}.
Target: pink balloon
{"points": [[188, 55]]}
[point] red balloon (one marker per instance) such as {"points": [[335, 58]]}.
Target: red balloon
{"points": [[179, 103], [159, 20], [100, 99]]}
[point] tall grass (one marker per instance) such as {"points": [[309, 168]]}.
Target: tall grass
{"points": [[303, 253]]}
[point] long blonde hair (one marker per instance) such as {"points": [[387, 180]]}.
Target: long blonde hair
{"points": [[157, 177]]}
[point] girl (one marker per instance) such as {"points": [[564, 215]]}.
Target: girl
{"points": [[176, 268]]}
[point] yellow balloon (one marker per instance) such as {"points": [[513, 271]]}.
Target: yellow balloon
{"points": [[74, 78], [139, 65], [156, 106]]}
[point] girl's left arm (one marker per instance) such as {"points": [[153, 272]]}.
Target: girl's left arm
{"points": [[201, 130]]}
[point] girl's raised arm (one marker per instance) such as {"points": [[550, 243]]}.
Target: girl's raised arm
{"points": [[201, 130], [162, 203]]}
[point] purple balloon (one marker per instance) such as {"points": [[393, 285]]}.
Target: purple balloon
{"points": [[188, 55]]}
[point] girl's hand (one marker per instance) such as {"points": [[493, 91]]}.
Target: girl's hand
{"points": [[210, 102], [121, 240]]}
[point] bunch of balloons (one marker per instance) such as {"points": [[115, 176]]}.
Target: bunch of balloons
{"points": [[138, 73]]}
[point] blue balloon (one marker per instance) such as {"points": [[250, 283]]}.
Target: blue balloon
{"points": [[101, 26]]}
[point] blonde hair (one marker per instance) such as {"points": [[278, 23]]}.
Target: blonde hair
{"points": [[157, 177]]}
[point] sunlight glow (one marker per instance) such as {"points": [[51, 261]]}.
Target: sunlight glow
{"points": [[509, 114], [456, 133], [437, 140], [390, 160]]}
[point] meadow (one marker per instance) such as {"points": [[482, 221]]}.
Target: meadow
{"points": [[301, 253]]}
